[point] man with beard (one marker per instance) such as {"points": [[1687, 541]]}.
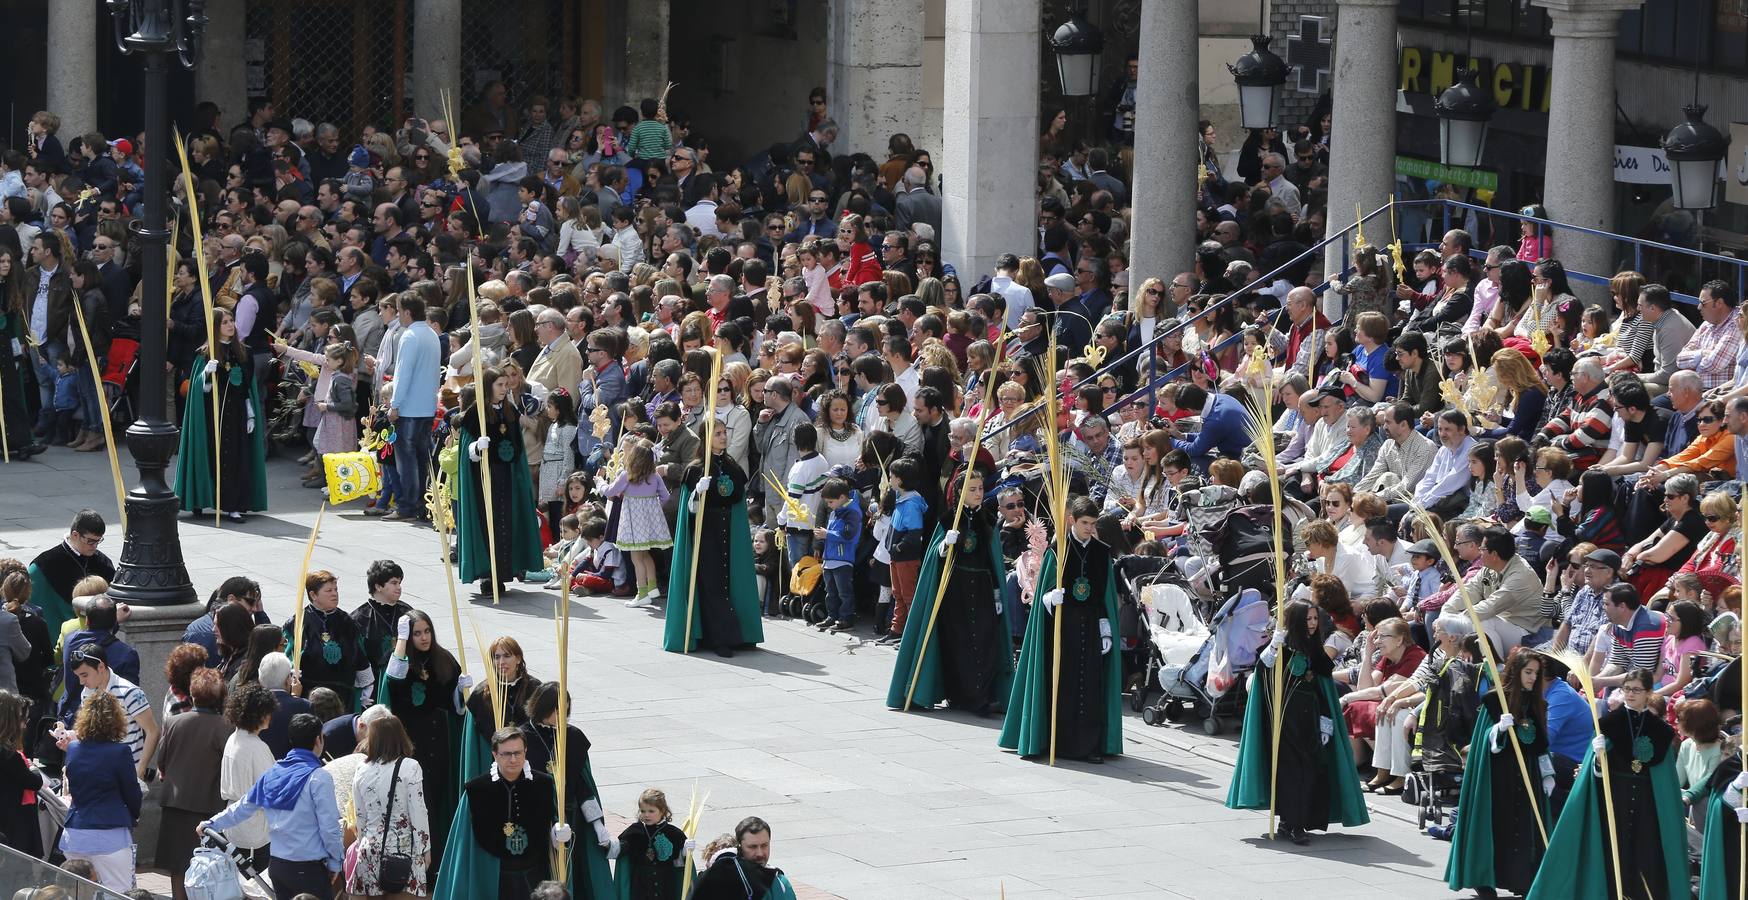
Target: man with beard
{"points": [[742, 872]]}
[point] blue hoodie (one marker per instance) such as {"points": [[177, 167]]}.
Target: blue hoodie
{"points": [[842, 532]]}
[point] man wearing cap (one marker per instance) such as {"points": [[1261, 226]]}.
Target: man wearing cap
{"points": [[1069, 318], [1583, 614]]}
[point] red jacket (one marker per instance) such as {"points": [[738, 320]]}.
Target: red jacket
{"points": [[859, 267]]}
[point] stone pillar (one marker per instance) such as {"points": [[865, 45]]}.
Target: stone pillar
{"points": [[646, 53], [154, 631], [989, 156], [874, 72], [1362, 172], [1577, 188], [221, 77], [437, 59], [72, 66], [1167, 99]]}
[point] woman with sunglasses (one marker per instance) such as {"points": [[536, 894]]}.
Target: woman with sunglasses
{"points": [[1718, 554], [1711, 456], [1648, 564]]}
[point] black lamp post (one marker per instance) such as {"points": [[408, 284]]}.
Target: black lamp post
{"points": [[151, 571], [1463, 112], [1694, 148], [1077, 44], [1259, 74]]}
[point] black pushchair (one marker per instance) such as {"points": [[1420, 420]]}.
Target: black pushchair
{"points": [[1447, 721]]}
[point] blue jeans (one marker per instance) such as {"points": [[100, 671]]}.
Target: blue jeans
{"points": [[43, 359], [799, 544], [412, 463], [1017, 611], [90, 401], [840, 593], [391, 481]]}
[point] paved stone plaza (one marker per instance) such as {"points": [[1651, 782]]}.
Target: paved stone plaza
{"points": [[864, 802]]}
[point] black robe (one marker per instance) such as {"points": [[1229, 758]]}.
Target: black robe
{"points": [[723, 880], [1637, 828], [643, 872], [479, 707], [972, 637], [1080, 714], [1302, 779], [721, 628], [376, 630], [331, 656], [63, 567], [236, 487], [1517, 840], [527, 802], [542, 741]]}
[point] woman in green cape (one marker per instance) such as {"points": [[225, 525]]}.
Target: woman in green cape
{"points": [[242, 442], [512, 501], [423, 686], [1639, 749], [590, 875], [1720, 868], [1089, 712], [968, 661], [725, 613], [1316, 782], [15, 300], [1496, 843], [516, 687]]}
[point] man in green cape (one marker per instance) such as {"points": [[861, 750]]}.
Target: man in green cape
{"points": [[730, 567], [518, 528], [56, 570], [974, 580], [743, 872], [244, 460], [1089, 720], [504, 829], [1721, 857]]}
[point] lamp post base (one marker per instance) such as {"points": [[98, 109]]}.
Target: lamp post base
{"points": [[151, 571]]}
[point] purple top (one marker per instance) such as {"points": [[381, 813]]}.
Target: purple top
{"points": [[653, 487]]}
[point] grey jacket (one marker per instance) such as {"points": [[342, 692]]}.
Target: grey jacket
{"points": [[1668, 336], [14, 649], [776, 442]]}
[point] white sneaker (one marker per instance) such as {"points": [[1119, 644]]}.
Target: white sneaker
{"points": [[641, 601]]}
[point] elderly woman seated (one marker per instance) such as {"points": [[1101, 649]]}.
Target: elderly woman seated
{"points": [[1398, 711]]}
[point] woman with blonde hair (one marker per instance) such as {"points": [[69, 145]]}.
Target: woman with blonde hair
{"points": [[1525, 391], [930, 291], [105, 793], [1031, 277]]}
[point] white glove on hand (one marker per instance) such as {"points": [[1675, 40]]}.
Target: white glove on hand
{"points": [[464, 682], [1741, 782], [211, 367], [404, 627], [477, 450], [601, 835], [561, 834], [1273, 651], [1599, 744], [1279, 639], [1325, 728], [1548, 786], [701, 488], [1505, 722], [613, 851], [1499, 729], [690, 847], [1052, 599], [947, 541], [1104, 636], [1742, 814]]}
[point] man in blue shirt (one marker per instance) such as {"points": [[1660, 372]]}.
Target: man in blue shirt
{"points": [[1223, 426], [418, 367], [303, 817], [1569, 729]]}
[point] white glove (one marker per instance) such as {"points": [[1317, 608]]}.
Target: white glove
{"points": [[211, 367], [690, 847], [1505, 722], [613, 851], [477, 450], [601, 835], [1052, 599], [701, 488], [1599, 744], [464, 682], [1279, 638], [249, 418], [948, 540], [1104, 636], [404, 627], [1500, 728], [561, 834], [1741, 782], [1325, 728], [1273, 651], [1742, 814], [1548, 786]]}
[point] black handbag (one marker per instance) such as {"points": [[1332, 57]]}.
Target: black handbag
{"points": [[396, 870]]}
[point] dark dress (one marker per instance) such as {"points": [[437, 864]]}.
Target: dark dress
{"points": [[651, 862], [543, 746], [235, 485], [974, 641], [1302, 782], [1497, 842], [721, 627], [1635, 803], [18, 820], [331, 656], [1080, 722], [424, 701]]}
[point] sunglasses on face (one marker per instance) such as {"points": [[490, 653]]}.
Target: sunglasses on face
{"points": [[1014, 505], [1714, 518], [1708, 420]]}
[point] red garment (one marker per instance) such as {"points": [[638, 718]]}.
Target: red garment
{"points": [[1362, 715], [1297, 335], [858, 267]]}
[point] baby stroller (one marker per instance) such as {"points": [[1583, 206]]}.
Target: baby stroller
{"points": [[1167, 634], [804, 600], [1212, 683], [1243, 558], [1447, 719], [220, 869]]}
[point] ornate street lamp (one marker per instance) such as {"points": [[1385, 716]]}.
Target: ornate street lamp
{"points": [[1078, 46], [1464, 110], [151, 571], [1694, 149], [1259, 74]]}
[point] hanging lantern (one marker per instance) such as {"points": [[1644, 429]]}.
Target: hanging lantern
{"points": [[1463, 112], [1259, 74], [1078, 46], [1694, 149]]}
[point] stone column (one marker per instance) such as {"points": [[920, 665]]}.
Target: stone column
{"points": [[874, 72], [437, 59], [1362, 171], [989, 155], [72, 66], [1167, 99], [646, 53], [221, 77], [1577, 188]]}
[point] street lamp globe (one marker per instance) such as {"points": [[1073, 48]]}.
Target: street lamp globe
{"points": [[1259, 74], [1694, 149], [1464, 110], [1078, 46]]}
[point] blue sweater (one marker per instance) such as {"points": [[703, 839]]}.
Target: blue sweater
{"points": [[106, 791], [418, 369], [1223, 429], [842, 532]]}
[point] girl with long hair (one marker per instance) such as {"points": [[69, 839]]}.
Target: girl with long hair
{"points": [[511, 508], [1496, 843], [424, 687], [642, 526], [721, 595], [14, 326], [241, 483]]}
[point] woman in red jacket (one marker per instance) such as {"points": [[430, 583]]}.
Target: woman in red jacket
{"points": [[859, 264]]}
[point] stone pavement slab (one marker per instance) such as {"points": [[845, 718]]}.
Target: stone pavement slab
{"points": [[864, 802]]}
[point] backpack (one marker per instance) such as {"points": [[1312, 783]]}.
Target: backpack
{"points": [[212, 875]]}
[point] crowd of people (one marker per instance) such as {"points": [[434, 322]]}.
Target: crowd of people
{"points": [[753, 392]]}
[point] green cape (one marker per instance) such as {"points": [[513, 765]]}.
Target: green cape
{"points": [[193, 476], [928, 684], [467, 873], [743, 586], [1251, 780], [1470, 864], [1713, 884], [56, 610], [476, 752], [1026, 727], [1579, 863], [472, 543]]}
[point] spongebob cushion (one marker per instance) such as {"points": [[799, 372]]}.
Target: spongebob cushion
{"points": [[351, 476]]}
